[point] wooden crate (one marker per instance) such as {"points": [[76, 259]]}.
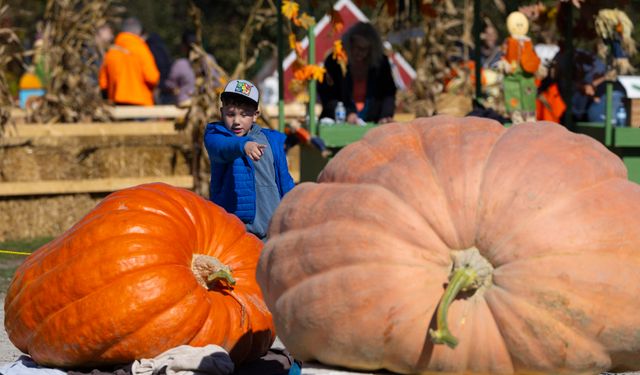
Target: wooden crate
{"points": [[633, 112]]}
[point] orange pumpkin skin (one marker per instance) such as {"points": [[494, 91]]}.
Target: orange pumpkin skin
{"points": [[118, 285], [356, 265]]}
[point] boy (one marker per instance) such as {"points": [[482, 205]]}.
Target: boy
{"points": [[249, 174]]}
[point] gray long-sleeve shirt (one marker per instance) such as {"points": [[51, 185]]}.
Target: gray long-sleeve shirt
{"points": [[267, 194]]}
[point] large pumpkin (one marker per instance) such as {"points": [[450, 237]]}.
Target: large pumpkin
{"points": [[454, 244], [149, 268]]}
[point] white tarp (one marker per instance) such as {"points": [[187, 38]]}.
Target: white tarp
{"points": [[631, 85]]}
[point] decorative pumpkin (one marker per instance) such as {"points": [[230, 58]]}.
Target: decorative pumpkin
{"points": [[149, 268], [456, 245]]}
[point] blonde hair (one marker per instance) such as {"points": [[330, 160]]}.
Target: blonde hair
{"points": [[367, 31]]}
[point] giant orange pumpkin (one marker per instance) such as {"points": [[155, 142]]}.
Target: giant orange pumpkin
{"points": [[456, 245], [150, 268]]}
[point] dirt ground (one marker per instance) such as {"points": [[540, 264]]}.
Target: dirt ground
{"points": [[8, 352]]}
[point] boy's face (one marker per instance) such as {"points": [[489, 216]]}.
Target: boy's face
{"points": [[239, 117]]}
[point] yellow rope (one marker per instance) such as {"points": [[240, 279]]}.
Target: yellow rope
{"points": [[14, 252]]}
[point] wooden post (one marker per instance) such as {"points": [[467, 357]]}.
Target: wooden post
{"points": [[280, 42], [312, 83], [476, 53], [608, 115]]}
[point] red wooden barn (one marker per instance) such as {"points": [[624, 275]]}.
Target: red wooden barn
{"points": [[404, 74]]}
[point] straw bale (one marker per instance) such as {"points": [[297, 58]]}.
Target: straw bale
{"points": [[30, 163], [57, 158], [135, 162], [31, 217]]}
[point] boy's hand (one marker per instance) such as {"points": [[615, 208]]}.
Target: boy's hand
{"points": [[254, 150], [352, 118]]}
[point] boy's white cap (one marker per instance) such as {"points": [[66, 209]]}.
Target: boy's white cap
{"points": [[242, 87]]}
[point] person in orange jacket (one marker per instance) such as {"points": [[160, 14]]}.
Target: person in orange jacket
{"points": [[128, 73]]}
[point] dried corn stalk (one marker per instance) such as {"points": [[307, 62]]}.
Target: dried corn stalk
{"points": [[429, 40], [259, 18], [9, 44], [434, 50], [67, 60], [203, 107]]}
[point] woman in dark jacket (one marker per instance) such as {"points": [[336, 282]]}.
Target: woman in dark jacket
{"points": [[367, 89]]}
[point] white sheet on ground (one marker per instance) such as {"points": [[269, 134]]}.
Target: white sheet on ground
{"points": [[24, 365], [186, 360]]}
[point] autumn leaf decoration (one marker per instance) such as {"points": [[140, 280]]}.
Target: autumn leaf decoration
{"points": [[290, 9], [295, 45], [340, 56], [302, 71]]}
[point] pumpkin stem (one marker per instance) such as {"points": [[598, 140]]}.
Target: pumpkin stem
{"points": [[471, 271], [461, 280], [210, 272], [223, 275]]}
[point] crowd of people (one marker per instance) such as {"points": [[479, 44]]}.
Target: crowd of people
{"points": [[545, 79], [526, 78], [137, 69]]}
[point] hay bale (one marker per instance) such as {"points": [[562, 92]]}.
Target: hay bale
{"points": [[29, 163], [135, 162], [54, 158], [76, 158], [41, 216]]}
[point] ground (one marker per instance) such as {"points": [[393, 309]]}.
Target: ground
{"points": [[8, 352]]}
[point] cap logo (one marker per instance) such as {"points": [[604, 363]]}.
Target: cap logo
{"points": [[243, 88]]}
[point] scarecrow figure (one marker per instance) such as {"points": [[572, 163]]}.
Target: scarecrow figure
{"points": [[519, 63], [615, 27]]}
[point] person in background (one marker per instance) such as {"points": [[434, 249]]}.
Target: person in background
{"points": [[249, 173], [103, 40], [366, 89], [163, 60], [490, 50], [589, 74], [128, 73], [181, 80]]}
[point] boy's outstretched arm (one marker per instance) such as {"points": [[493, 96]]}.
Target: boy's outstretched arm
{"points": [[223, 149]]}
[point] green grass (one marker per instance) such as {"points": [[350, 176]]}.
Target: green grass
{"points": [[9, 262]]}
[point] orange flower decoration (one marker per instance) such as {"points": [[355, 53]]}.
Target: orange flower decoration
{"points": [[295, 45], [305, 21], [305, 72], [340, 56], [316, 72], [299, 71], [290, 9]]}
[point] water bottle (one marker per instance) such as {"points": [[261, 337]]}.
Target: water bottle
{"points": [[621, 116], [341, 113]]}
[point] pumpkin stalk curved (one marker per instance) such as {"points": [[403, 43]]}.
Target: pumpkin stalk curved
{"points": [[462, 279], [210, 272], [222, 276]]}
